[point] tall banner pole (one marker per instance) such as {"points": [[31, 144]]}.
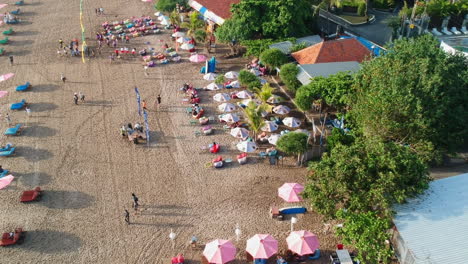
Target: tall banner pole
{"points": [[83, 39], [138, 100], [145, 115]]}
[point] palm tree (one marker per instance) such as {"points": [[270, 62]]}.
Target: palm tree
{"points": [[200, 36], [264, 93], [254, 117], [193, 24], [174, 17]]}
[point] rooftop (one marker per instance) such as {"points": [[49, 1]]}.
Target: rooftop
{"points": [[333, 51], [220, 8], [434, 226], [308, 71]]}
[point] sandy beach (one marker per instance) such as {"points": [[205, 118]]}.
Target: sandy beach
{"points": [[76, 154]]}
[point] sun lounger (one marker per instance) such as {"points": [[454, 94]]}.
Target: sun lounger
{"points": [[7, 153], [13, 131], [7, 147], [293, 210], [8, 32], [4, 41], [21, 2], [15, 12], [18, 106], [4, 173], [23, 87]]}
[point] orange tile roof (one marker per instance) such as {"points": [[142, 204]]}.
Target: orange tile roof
{"points": [[333, 51], [220, 7]]}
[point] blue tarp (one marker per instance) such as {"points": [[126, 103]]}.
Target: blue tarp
{"points": [[376, 50]]}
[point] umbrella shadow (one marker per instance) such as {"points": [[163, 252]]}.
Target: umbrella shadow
{"points": [[21, 42], [25, 33], [20, 53], [34, 179], [51, 242], [34, 154], [42, 107], [44, 88], [40, 132], [67, 199], [98, 103]]}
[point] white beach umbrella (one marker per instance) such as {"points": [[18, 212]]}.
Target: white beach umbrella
{"points": [[226, 107], [281, 109], [239, 132], [247, 101], [274, 99], [231, 75], [269, 126], [163, 17], [273, 138], [221, 97], [213, 87], [187, 46], [210, 76], [178, 34], [247, 146], [255, 71], [244, 94], [158, 14], [165, 22], [229, 118], [235, 84], [183, 39], [291, 122]]}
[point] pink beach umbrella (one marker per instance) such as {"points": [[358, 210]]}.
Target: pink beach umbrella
{"points": [[197, 58], [262, 246], [290, 192], [302, 242], [5, 77], [3, 93], [3, 5], [219, 251], [5, 181]]}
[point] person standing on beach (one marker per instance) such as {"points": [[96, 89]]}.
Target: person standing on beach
{"points": [[8, 119], [127, 217], [75, 98], [82, 97], [146, 70], [158, 101], [63, 78], [135, 202], [144, 105], [11, 60]]}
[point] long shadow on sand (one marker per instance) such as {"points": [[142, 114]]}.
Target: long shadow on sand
{"points": [[20, 53], [26, 33], [33, 154], [51, 242], [42, 107], [34, 179], [44, 88], [66, 199], [20, 43], [40, 131], [97, 103]]}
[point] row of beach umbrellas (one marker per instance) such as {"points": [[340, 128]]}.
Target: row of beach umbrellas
{"points": [[261, 246]]}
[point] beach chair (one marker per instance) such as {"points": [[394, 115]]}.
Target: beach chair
{"points": [[7, 153], [18, 106], [23, 87], [7, 147], [316, 255], [13, 131], [31, 195], [4, 41], [4, 173], [8, 32], [19, 3], [15, 12]]}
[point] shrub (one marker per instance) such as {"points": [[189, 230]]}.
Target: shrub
{"points": [[249, 80], [169, 5], [298, 47], [273, 58], [361, 11], [288, 75]]}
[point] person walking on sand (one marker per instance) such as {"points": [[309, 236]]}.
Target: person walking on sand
{"points": [[75, 98], [8, 119], [158, 101], [61, 43], [11, 60], [144, 105], [127, 217], [146, 70], [63, 78], [135, 202], [82, 97]]}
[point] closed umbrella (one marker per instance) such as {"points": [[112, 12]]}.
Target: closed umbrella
{"points": [[262, 246], [231, 75], [281, 109], [187, 46], [244, 94], [302, 242], [269, 126], [239, 132], [273, 138], [3, 93], [219, 251], [213, 87], [5, 181], [5, 77], [290, 192], [221, 97], [226, 107], [210, 76], [178, 34], [274, 99], [197, 58], [291, 122], [229, 118], [247, 146]]}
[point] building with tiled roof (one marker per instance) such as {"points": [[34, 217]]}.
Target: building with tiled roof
{"points": [[215, 10], [333, 51]]}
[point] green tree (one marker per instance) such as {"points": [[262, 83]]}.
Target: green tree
{"points": [[361, 11], [293, 143], [254, 117], [174, 17], [335, 90], [219, 79], [368, 175], [232, 32], [169, 5], [273, 58], [417, 95], [338, 136], [367, 232], [298, 47], [288, 74], [264, 93], [249, 80], [194, 23]]}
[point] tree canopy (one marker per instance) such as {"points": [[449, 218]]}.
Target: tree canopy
{"points": [[417, 95], [249, 79], [169, 5], [232, 32], [273, 58], [288, 74], [293, 143]]}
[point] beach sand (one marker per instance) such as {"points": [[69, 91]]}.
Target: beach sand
{"points": [[88, 172]]}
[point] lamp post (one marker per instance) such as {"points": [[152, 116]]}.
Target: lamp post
{"points": [[293, 221], [172, 236], [238, 232]]}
